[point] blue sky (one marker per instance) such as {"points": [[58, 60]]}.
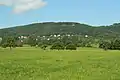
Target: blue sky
{"points": [[93, 12]]}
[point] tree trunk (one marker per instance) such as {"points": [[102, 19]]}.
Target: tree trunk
{"points": [[10, 48]]}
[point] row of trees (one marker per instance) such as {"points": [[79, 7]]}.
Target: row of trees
{"points": [[61, 46], [111, 44], [66, 42], [11, 42], [61, 42]]}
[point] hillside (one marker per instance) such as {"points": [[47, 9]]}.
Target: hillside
{"points": [[62, 28]]}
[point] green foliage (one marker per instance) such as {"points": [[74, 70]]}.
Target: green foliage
{"points": [[8, 42], [70, 33], [88, 45], [104, 45], [44, 47], [40, 44], [63, 28], [19, 44], [71, 47], [115, 44], [112, 45], [32, 41], [57, 46], [4, 45], [29, 63]]}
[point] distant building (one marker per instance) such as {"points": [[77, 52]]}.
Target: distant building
{"points": [[36, 39], [58, 38], [58, 35], [19, 37], [86, 36], [25, 37], [21, 40], [55, 36], [48, 39], [22, 37], [68, 35]]}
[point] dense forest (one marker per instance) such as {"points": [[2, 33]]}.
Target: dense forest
{"points": [[49, 28], [62, 35]]}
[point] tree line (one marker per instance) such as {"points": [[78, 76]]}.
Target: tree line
{"points": [[113, 44], [60, 42]]}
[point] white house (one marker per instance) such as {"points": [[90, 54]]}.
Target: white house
{"points": [[86, 36]]}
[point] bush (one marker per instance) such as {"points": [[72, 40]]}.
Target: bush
{"points": [[88, 45], [4, 45], [40, 44], [43, 47], [116, 44], [58, 46], [19, 45], [105, 45], [71, 47]]}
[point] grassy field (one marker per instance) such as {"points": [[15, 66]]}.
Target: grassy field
{"points": [[36, 64]]}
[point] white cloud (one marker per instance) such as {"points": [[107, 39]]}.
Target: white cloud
{"points": [[20, 6]]}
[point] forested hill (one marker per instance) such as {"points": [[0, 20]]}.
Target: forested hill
{"points": [[62, 28]]}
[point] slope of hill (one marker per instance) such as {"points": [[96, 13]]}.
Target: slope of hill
{"points": [[62, 28]]}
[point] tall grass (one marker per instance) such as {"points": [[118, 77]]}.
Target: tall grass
{"points": [[35, 64]]}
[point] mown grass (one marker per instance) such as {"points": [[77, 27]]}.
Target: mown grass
{"points": [[35, 64]]}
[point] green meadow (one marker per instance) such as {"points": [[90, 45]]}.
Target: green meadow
{"points": [[35, 64]]}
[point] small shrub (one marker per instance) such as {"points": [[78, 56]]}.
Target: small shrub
{"points": [[88, 45], [44, 47], [4, 45], [71, 47], [105, 45], [57, 46]]}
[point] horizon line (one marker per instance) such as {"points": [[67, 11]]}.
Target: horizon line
{"points": [[58, 22]]}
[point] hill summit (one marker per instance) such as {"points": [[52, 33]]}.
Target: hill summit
{"points": [[49, 28]]}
